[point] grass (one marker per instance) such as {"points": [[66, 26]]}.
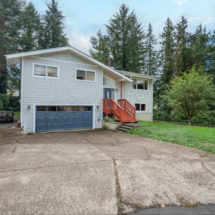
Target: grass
{"points": [[16, 113], [193, 136]]}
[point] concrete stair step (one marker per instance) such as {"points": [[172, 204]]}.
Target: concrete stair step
{"points": [[122, 129]]}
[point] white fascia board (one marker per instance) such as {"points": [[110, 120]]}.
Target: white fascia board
{"points": [[140, 75], [45, 51]]}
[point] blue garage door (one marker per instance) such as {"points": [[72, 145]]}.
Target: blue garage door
{"points": [[51, 118]]}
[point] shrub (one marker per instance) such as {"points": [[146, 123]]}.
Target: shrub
{"points": [[4, 100], [108, 119]]}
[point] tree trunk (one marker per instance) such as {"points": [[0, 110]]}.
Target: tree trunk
{"points": [[189, 121]]}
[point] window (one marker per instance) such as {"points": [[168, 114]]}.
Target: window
{"points": [[140, 84], [85, 75], [52, 71], [71, 108], [90, 76], [41, 108], [52, 108], [88, 108], [140, 107], [45, 71], [61, 108], [79, 108]]}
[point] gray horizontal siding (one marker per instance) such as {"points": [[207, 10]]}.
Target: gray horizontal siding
{"points": [[140, 96], [65, 56], [65, 90]]}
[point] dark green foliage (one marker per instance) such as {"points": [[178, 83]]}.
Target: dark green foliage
{"points": [[126, 40], [151, 62], [166, 52], [4, 100], [30, 25], [9, 30], [100, 48], [191, 94], [182, 60], [52, 30]]}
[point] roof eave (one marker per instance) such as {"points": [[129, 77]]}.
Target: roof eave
{"points": [[26, 54]]}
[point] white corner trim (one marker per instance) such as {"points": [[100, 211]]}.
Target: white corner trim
{"points": [[22, 92], [46, 65], [86, 70], [54, 104]]}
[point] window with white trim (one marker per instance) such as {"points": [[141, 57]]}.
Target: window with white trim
{"points": [[85, 75], [140, 84], [45, 71], [140, 106]]}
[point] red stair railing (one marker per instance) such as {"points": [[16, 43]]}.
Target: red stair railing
{"points": [[110, 106], [124, 103]]}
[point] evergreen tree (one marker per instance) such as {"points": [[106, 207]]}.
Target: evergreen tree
{"points": [[182, 60], [136, 47], [167, 52], [52, 31], [9, 30], [30, 25], [118, 29], [126, 40], [100, 48], [151, 63]]}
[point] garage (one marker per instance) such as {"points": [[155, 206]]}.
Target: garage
{"points": [[52, 118]]}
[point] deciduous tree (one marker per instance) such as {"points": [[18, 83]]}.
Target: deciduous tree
{"points": [[191, 94]]}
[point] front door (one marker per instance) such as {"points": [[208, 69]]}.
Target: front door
{"points": [[107, 93]]}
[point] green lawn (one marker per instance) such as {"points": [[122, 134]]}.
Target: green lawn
{"points": [[197, 137], [16, 113]]}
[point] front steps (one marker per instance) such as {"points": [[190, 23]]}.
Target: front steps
{"points": [[127, 126]]}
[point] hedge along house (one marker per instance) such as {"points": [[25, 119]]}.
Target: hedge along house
{"points": [[65, 89]]}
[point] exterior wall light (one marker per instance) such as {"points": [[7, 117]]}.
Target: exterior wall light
{"points": [[29, 107]]}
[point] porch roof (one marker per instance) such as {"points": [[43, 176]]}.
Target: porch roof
{"points": [[137, 75]]}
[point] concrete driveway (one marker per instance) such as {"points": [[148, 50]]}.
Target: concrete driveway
{"points": [[83, 172]]}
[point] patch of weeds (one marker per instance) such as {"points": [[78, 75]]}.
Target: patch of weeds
{"points": [[189, 205], [141, 206], [206, 154], [118, 201]]}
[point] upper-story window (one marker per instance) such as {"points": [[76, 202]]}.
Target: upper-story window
{"points": [[46, 71], [140, 84], [85, 75]]}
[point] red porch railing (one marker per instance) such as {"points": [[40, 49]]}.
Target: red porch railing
{"points": [[124, 103], [110, 106]]}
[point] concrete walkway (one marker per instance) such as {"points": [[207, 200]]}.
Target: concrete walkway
{"points": [[84, 172]]}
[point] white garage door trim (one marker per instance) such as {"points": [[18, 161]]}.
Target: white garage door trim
{"points": [[54, 104]]}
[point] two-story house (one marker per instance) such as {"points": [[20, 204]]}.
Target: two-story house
{"points": [[66, 89]]}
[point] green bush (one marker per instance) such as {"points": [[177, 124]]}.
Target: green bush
{"points": [[108, 119], [4, 100]]}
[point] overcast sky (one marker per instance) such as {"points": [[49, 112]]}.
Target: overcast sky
{"points": [[85, 17]]}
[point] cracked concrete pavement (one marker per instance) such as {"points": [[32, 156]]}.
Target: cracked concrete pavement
{"points": [[73, 173]]}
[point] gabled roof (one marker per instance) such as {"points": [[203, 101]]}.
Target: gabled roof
{"points": [[137, 75], [16, 58]]}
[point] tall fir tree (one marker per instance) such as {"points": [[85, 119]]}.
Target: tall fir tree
{"points": [[151, 62], [9, 31], [136, 47], [30, 25], [182, 60], [126, 40], [167, 51], [100, 48], [52, 31]]}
